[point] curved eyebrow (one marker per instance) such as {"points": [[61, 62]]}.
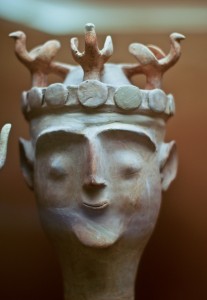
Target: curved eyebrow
{"points": [[56, 138], [131, 135]]}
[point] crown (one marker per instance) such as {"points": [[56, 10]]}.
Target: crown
{"points": [[95, 85]]}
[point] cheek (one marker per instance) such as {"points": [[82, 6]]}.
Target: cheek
{"points": [[145, 218], [152, 198], [140, 198], [56, 190]]}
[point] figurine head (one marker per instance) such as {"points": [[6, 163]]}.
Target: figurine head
{"points": [[97, 159]]}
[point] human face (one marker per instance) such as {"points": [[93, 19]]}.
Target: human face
{"points": [[99, 185]]}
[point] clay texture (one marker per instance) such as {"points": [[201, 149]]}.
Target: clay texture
{"points": [[4, 136], [97, 159]]}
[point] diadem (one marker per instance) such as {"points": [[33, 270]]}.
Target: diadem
{"points": [[96, 86]]}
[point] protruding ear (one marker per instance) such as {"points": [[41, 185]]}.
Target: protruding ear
{"points": [[168, 163], [27, 160]]}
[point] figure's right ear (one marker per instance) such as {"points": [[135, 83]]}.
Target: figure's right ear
{"points": [[27, 161]]}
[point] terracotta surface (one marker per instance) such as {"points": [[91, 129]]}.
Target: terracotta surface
{"points": [[4, 136], [97, 159], [180, 237]]}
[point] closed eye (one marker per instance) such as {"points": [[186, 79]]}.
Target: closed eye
{"points": [[130, 172], [57, 168], [57, 173]]}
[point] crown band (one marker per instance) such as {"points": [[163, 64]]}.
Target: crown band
{"points": [[92, 94]]}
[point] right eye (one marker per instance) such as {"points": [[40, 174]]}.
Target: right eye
{"points": [[57, 170], [57, 173]]}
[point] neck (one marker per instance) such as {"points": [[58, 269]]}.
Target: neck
{"points": [[99, 274]]}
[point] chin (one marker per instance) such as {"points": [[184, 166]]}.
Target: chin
{"points": [[97, 229], [95, 235], [100, 231]]}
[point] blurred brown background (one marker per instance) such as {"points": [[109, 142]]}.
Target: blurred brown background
{"points": [[174, 265]]}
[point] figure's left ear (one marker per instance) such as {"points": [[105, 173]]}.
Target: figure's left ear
{"points": [[168, 163]]}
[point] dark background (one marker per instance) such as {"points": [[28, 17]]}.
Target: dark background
{"points": [[174, 265]]}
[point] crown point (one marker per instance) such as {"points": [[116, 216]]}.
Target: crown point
{"points": [[89, 27], [177, 36], [17, 34]]}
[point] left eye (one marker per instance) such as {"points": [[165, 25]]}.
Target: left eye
{"points": [[129, 172]]}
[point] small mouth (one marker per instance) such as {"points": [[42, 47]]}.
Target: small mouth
{"points": [[96, 206]]}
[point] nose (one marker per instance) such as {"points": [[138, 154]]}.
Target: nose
{"points": [[93, 180], [93, 187]]}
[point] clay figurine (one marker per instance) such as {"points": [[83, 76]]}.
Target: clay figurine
{"points": [[97, 159]]}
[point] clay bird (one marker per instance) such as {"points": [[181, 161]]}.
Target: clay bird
{"points": [[39, 59], [153, 62], [92, 59]]}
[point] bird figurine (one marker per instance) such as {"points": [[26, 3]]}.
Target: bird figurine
{"points": [[92, 59], [39, 59], [153, 62]]}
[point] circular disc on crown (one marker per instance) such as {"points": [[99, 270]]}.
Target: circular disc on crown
{"points": [[157, 100], [35, 97], [128, 97], [92, 93], [56, 94]]}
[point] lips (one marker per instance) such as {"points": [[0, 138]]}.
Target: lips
{"points": [[96, 206]]}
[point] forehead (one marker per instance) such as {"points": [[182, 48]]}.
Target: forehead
{"points": [[95, 125]]}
